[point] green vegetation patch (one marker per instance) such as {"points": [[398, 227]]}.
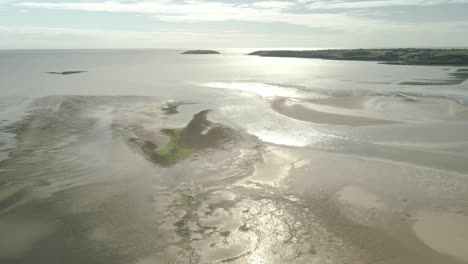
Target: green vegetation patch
{"points": [[198, 135], [460, 74], [169, 154]]}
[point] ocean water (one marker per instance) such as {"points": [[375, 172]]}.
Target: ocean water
{"points": [[317, 159]]}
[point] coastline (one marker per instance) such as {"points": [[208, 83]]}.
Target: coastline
{"points": [[400, 56]]}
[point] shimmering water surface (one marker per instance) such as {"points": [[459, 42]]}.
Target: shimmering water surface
{"points": [[149, 156]]}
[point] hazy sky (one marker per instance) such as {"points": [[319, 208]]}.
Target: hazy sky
{"points": [[236, 24]]}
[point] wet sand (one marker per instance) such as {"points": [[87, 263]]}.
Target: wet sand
{"points": [[444, 232], [230, 159], [371, 110], [86, 190], [301, 111]]}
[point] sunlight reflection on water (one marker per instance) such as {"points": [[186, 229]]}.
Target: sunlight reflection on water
{"points": [[262, 89]]}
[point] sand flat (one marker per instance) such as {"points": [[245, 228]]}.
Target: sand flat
{"points": [[356, 196], [275, 167], [446, 233], [374, 110], [304, 112]]}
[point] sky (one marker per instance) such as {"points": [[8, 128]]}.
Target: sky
{"points": [[58, 24]]}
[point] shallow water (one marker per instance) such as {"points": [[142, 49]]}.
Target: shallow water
{"points": [[297, 161]]}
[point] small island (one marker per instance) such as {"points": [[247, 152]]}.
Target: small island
{"points": [[389, 56], [199, 52], [66, 72]]}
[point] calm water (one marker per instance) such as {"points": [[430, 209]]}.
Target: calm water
{"points": [[334, 156]]}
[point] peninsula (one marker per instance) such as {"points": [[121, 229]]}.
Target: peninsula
{"points": [[390, 56]]}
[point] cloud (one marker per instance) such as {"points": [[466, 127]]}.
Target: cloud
{"points": [[379, 3], [257, 11], [273, 4], [437, 34], [30, 37], [347, 25], [203, 11]]}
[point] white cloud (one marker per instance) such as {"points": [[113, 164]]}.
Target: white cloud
{"points": [[353, 26], [435, 34], [379, 3], [259, 11], [262, 11], [273, 4], [27, 37], [198, 11]]}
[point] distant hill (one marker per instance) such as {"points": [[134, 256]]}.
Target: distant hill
{"points": [[390, 56], [201, 52]]}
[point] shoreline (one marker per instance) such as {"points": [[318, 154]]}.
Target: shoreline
{"points": [[421, 57]]}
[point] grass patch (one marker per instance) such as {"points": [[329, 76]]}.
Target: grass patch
{"points": [[169, 154]]}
